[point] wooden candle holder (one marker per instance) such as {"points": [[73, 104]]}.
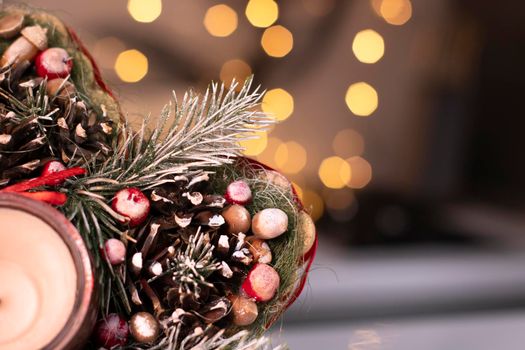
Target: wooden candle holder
{"points": [[83, 317]]}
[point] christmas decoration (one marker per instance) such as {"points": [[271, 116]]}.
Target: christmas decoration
{"points": [[111, 331], [194, 245], [53, 63]]}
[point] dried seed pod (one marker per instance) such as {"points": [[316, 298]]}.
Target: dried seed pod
{"points": [[144, 327], [60, 89], [237, 218], [244, 311], [306, 228], [10, 25], [242, 256], [260, 250], [269, 223], [215, 310], [36, 35]]}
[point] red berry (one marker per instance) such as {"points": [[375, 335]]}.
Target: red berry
{"points": [[53, 63], [238, 192], [262, 282], [115, 251], [111, 331], [51, 167], [133, 204]]}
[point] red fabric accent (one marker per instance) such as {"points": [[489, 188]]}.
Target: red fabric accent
{"points": [[96, 70], [50, 197], [307, 259], [50, 179]]}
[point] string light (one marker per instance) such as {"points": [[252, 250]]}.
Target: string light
{"points": [[220, 20], [145, 11], [290, 157], [361, 172], [262, 13], [237, 69], [255, 145], [395, 12], [106, 51], [348, 143], [361, 99], [335, 172], [368, 46], [277, 41], [131, 66], [313, 203], [279, 103]]}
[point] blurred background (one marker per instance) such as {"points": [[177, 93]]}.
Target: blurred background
{"points": [[402, 126]]}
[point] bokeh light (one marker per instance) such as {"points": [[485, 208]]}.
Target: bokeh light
{"points": [[361, 172], [368, 46], [145, 11], [277, 41], [290, 157], [268, 155], [236, 68], [348, 143], [361, 99], [279, 103], [313, 203], [335, 172], [255, 145], [220, 20], [131, 66], [262, 13], [106, 51], [338, 199], [395, 12]]}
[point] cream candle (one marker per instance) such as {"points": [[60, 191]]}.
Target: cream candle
{"points": [[46, 282]]}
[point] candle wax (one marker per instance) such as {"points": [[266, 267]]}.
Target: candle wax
{"points": [[38, 281]]}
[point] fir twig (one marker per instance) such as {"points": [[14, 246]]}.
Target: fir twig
{"points": [[197, 133]]}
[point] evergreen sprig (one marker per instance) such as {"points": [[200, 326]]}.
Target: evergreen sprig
{"points": [[201, 132]]}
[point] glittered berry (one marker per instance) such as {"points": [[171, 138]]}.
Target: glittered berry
{"points": [[238, 192], [53, 63], [261, 283], [111, 331], [133, 204], [115, 251], [51, 167]]}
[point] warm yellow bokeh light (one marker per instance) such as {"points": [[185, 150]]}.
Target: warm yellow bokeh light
{"points": [[313, 203], [290, 157], [361, 172], [237, 69], [106, 50], [335, 172], [268, 155], [262, 13], [362, 99], [255, 145], [396, 12], [145, 11], [368, 46], [131, 66], [220, 20], [277, 41], [348, 143], [278, 103]]}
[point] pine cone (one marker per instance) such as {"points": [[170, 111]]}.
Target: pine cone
{"points": [[185, 264]]}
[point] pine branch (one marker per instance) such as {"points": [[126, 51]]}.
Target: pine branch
{"points": [[192, 267], [201, 132]]}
